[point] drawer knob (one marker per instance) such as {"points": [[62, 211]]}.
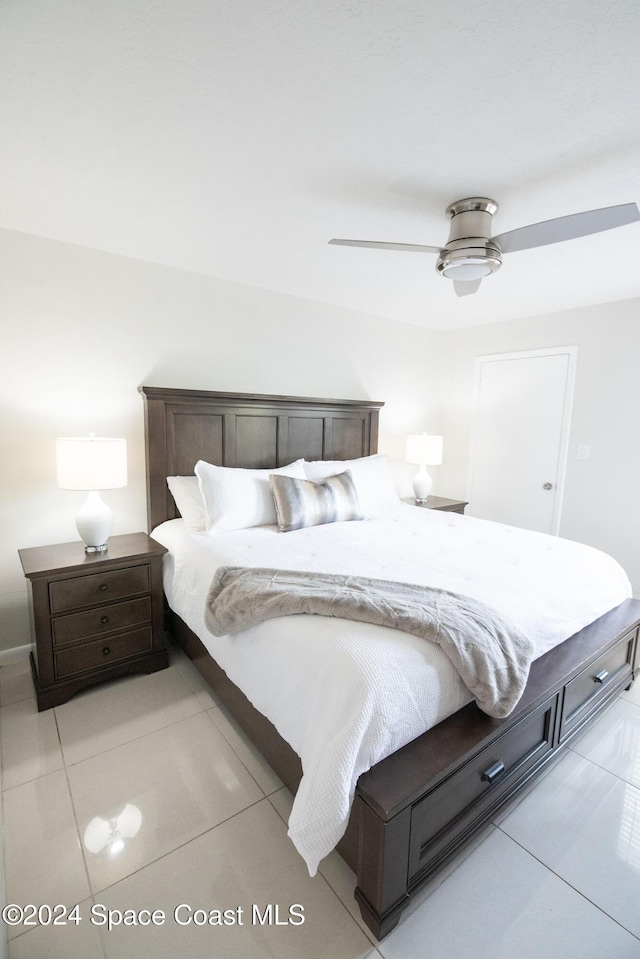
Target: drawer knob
{"points": [[601, 676], [105, 650], [103, 587], [104, 620], [492, 773]]}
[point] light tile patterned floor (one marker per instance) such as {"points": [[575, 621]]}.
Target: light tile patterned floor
{"points": [[557, 876]]}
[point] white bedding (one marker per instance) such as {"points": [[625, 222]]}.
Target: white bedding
{"points": [[345, 694]]}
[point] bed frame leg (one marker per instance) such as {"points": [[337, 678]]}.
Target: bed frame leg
{"points": [[380, 926], [383, 856]]}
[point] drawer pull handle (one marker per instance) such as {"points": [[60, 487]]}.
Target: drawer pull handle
{"points": [[492, 773], [601, 676], [104, 620], [105, 651], [103, 587]]}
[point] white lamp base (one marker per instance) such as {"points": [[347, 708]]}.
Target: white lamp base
{"points": [[93, 522], [422, 485]]}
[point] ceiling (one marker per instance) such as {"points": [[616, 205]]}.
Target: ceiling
{"points": [[236, 137]]}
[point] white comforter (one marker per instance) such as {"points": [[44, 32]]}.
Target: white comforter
{"points": [[347, 694]]}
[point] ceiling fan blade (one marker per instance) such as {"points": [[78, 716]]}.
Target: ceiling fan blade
{"points": [[567, 227], [375, 245], [465, 287]]}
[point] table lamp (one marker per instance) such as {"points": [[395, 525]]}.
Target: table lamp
{"points": [[426, 451], [92, 463]]}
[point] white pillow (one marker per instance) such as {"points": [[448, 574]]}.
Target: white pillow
{"points": [[371, 476], [188, 498], [237, 498]]}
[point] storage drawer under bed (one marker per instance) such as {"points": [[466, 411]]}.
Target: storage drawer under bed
{"points": [[443, 815], [595, 684]]}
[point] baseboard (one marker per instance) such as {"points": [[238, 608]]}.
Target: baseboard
{"points": [[14, 655]]}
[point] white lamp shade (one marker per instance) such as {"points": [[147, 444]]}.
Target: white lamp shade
{"points": [[91, 463], [424, 449]]}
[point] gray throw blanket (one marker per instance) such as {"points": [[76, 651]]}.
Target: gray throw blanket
{"points": [[491, 657]]}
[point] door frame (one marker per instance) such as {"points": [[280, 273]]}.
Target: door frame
{"points": [[563, 452]]}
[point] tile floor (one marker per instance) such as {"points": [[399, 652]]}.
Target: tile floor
{"points": [[556, 876]]}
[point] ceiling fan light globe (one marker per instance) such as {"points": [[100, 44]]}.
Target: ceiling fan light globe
{"points": [[467, 271], [468, 263]]}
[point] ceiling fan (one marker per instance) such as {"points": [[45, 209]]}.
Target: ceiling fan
{"points": [[471, 253]]}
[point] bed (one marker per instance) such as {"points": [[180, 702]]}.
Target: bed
{"points": [[413, 809]]}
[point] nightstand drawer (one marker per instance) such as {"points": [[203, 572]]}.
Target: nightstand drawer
{"points": [[103, 619], [103, 652], [98, 588]]}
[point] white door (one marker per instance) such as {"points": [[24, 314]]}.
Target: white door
{"points": [[519, 444]]}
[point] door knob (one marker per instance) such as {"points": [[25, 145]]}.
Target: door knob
{"points": [[547, 485]]}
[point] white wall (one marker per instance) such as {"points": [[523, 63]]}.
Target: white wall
{"points": [[82, 330], [602, 494]]}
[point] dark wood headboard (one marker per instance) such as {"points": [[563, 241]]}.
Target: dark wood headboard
{"points": [[246, 430]]}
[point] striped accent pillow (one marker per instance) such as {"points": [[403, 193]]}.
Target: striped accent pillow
{"points": [[302, 503]]}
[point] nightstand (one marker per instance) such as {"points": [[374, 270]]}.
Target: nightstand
{"points": [[439, 502], [94, 616]]}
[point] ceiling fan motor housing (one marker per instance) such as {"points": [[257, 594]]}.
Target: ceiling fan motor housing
{"points": [[469, 253]]}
